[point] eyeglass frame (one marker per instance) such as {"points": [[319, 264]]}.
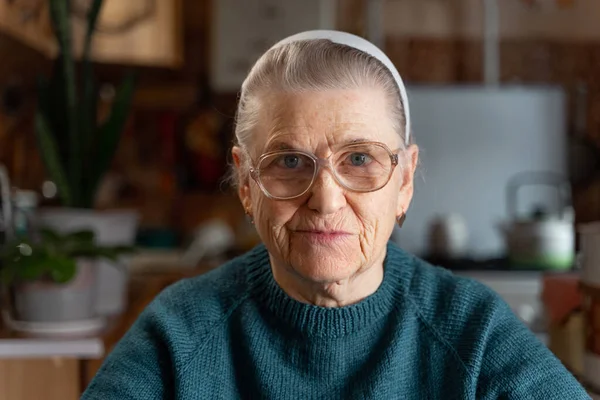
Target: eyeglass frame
{"points": [[325, 163]]}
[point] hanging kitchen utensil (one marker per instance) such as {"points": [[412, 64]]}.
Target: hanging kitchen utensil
{"points": [[543, 239]]}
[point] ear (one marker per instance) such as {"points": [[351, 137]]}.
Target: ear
{"points": [[409, 159], [243, 178]]}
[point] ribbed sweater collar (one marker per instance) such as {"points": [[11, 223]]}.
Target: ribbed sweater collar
{"points": [[330, 322]]}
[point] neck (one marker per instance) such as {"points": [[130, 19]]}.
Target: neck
{"points": [[340, 293]]}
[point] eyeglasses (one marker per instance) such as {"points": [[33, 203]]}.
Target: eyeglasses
{"points": [[358, 167]]}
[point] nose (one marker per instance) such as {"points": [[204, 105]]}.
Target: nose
{"points": [[326, 195]]}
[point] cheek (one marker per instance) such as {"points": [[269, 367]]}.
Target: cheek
{"points": [[376, 211], [270, 215]]}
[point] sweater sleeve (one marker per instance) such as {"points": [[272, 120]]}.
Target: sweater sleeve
{"points": [[517, 366], [140, 366]]}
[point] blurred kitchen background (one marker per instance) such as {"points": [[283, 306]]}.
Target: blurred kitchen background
{"points": [[505, 99]]}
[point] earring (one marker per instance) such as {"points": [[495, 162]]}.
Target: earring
{"points": [[400, 219], [249, 215]]}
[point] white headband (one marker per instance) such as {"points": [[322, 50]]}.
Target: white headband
{"points": [[365, 46]]}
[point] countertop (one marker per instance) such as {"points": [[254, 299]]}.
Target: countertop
{"points": [[17, 345], [143, 288], [19, 348]]}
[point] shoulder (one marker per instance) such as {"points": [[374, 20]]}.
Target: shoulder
{"points": [[443, 296], [172, 329], [460, 313], [197, 305], [478, 329], [438, 292], [211, 294]]}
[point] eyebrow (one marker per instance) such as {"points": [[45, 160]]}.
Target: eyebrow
{"points": [[280, 144]]}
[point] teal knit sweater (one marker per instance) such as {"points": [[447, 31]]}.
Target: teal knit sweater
{"points": [[424, 334]]}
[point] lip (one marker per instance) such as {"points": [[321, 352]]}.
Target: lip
{"points": [[318, 236], [322, 232]]}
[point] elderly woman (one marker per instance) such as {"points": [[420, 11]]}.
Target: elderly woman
{"points": [[327, 308]]}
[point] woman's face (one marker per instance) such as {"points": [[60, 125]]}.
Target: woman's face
{"points": [[328, 234]]}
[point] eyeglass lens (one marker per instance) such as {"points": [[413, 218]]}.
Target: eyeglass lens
{"points": [[358, 167]]}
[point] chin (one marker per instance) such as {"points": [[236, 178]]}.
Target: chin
{"points": [[326, 265]]}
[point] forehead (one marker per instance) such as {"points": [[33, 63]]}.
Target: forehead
{"points": [[323, 120]]}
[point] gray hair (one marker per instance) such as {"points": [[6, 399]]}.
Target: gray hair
{"points": [[309, 65]]}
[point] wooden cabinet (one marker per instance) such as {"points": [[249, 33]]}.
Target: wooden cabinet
{"points": [[48, 379], [133, 32]]}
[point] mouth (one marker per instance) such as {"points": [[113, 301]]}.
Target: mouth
{"points": [[320, 232], [323, 236]]}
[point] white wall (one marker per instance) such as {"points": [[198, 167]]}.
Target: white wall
{"points": [[472, 141], [463, 18]]}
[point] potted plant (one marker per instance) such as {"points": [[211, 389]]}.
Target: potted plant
{"points": [[53, 279], [77, 148]]}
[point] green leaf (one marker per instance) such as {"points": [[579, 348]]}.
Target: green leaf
{"points": [[53, 256], [60, 14], [51, 157], [7, 275], [93, 251], [51, 102], [89, 106], [30, 272], [114, 253], [84, 236], [85, 250], [62, 270], [79, 244], [109, 254], [44, 98], [109, 134], [30, 268], [87, 123], [50, 235], [92, 19]]}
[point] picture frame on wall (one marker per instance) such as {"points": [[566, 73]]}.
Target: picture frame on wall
{"points": [[243, 30]]}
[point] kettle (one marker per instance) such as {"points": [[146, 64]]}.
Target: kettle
{"points": [[543, 239], [448, 237]]}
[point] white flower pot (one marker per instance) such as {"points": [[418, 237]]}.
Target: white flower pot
{"points": [[46, 301], [112, 228]]}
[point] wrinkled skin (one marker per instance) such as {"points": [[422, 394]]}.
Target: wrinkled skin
{"points": [[325, 271]]}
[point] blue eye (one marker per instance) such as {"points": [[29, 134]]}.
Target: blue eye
{"points": [[291, 161], [287, 162], [358, 159]]}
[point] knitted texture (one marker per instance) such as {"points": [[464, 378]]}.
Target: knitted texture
{"points": [[424, 334]]}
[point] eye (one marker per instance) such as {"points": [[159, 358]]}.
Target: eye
{"points": [[359, 159], [290, 161]]}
